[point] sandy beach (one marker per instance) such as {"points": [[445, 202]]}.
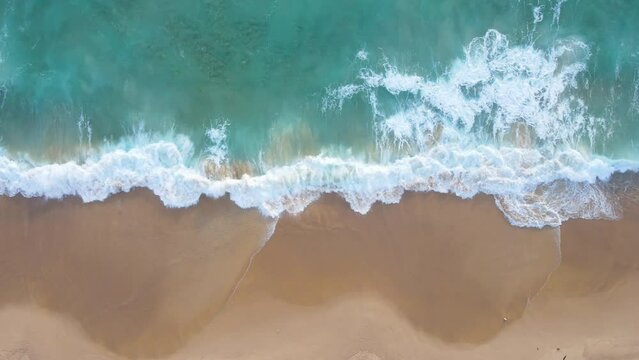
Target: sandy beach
{"points": [[431, 277]]}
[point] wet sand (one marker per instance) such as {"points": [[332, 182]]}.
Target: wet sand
{"points": [[136, 277], [431, 277]]}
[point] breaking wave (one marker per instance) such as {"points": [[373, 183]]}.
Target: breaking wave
{"points": [[508, 121]]}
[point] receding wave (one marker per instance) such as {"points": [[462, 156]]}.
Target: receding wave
{"points": [[504, 120]]}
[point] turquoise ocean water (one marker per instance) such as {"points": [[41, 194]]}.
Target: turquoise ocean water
{"points": [[275, 102]]}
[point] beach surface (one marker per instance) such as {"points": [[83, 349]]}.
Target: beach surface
{"points": [[431, 277]]}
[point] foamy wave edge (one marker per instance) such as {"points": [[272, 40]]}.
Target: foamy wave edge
{"points": [[513, 175]]}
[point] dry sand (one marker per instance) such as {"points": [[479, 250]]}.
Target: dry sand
{"points": [[433, 277]]}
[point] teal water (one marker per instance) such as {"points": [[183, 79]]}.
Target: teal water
{"points": [[264, 65], [275, 102]]}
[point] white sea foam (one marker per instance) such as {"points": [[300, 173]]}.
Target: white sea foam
{"points": [[492, 89], [538, 14], [362, 55], [513, 174], [84, 130], [218, 147], [557, 11], [457, 134]]}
